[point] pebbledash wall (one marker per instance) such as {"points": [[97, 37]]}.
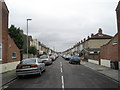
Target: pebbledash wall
{"points": [[10, 52]]}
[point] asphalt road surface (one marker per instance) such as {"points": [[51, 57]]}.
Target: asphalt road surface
{"points": [[61, 74]]}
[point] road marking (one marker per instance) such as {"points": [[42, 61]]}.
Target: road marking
{"points": [[61, 70], [62, 82], [61, 64]]}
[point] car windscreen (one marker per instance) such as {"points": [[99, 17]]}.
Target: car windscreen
{"points": [[76, 58], [28, 61], [43, 57]]}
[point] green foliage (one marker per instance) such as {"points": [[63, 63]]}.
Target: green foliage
{"points": [[32, 50], [14, 33]]}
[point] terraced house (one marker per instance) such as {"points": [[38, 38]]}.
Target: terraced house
{"points": [[94, 43], [110, 53], [9, 52]]}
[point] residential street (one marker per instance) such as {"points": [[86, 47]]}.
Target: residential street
{"points": [[61, 74]]}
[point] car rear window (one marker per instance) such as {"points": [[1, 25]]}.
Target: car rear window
{"points": [[28, 61], [43, 57]]}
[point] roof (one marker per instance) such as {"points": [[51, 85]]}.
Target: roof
{"points": [[100, 35], [118, 6]]}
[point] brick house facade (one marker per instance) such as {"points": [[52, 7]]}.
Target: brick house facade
{"points": [[118, 25], [93, 44], [110, 53], [10, 52]]}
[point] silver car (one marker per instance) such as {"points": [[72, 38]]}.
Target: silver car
{"points": [[46, 59], [30, 66]]}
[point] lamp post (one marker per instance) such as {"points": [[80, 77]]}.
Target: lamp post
{"points": [[27, 35]]}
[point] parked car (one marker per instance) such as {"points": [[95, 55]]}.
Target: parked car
{"points": [[56, 55], [53, 57], [30, 66], [68, 57], [46, 59], [75, 59]]}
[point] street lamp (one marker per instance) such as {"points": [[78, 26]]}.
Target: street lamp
{"points": [[27, 35]]}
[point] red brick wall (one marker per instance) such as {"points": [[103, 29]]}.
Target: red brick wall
{"points": [[110, 51], [118, 25], [8, 44], [4, 32], [12, 48]]}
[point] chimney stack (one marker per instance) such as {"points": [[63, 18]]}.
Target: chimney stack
{"points": [[92, 34], [84, 39], [88, 37], [100, 31]]}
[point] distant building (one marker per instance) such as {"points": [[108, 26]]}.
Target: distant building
{"points": [[9, 52], [25, 39]]}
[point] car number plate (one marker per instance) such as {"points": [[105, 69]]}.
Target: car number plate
{"points": [[26, 67]]}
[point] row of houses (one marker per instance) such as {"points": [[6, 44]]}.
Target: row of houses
{"points": [[41, 48], [10, 54], [100, 48]]}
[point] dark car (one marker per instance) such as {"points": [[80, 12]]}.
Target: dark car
{"points": [[75, 60]]}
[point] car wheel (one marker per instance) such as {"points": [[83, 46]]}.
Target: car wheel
{"points": [[44, 70]]}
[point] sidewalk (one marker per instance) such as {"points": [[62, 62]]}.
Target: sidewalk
{"points": [[113, 74], [8, 76]]}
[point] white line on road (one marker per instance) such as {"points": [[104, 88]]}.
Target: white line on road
{"points": [[61, 64], [61, 70], [62, 82]]}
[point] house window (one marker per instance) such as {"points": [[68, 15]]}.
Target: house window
{"points": [[114, 43], [0, 51], [14, 55]]}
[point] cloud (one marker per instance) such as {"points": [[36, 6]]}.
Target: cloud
{"points": [[62, 23]]}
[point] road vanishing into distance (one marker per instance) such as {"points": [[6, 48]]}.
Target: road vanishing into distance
{"points": [[61, 74]]}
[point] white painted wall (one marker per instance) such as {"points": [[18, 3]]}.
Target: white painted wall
{"points": [[93, 61], [105, 62], [8, 66]]}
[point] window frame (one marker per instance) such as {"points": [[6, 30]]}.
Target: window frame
{"points": [[14, 57]]}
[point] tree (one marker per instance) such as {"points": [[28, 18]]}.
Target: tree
{"points": [[14, 33], [32, 50]]}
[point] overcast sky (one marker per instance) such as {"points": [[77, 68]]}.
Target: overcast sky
{"points": [[62, 23]]}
